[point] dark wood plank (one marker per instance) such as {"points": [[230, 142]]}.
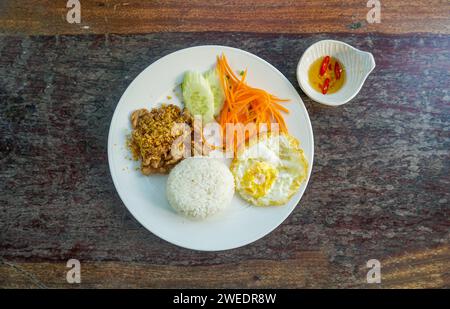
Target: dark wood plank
{"points": [[379, 187], [268, 16]]}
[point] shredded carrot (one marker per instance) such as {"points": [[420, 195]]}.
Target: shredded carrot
{"points": [[245, 105]]}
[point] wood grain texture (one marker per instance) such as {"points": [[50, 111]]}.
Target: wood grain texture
{"points": [[262, 16], [379, 186], [423, 269]]}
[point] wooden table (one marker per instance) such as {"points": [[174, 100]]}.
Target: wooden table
{"points": [[380, 183]]}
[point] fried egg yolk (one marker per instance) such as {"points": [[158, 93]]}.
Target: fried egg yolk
{"points": [[258, 178]]}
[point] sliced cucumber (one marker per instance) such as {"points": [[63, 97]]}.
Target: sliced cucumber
{"points": [[197, 95], [212, 77]]}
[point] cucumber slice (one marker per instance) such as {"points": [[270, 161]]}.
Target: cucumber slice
{"points": [[197, 95], [212, 77]]}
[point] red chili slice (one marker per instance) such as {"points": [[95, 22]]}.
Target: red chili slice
{"points": [[324, 66], [337, 70], [325, 86]]}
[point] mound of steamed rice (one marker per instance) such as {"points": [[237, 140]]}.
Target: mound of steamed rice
{"points": [[200, 187]]}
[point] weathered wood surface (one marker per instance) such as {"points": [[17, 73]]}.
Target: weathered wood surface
{"points": [[262, 16], [379, 187], [421, 269]]}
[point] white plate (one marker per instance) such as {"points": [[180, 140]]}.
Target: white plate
{"points": [[145, 197]]}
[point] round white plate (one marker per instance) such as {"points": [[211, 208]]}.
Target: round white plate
{"points": [[145, 196]]}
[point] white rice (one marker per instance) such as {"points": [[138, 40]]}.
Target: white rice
{"points": [[199, 187]]}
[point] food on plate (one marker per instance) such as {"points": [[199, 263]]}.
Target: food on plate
{"points": [[246, 105], [155, 132], [197, 95], [326, 75], [270, 169], [212, 76], [203, 94], [200, 187]]}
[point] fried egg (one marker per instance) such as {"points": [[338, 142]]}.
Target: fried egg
{"points": [[270, 170]]}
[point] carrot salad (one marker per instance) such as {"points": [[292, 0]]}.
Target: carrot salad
{"points": [[245, 104]]}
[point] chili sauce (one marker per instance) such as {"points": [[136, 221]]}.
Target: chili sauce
{"points": [[326, 75]]}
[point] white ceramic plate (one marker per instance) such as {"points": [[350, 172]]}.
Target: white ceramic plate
{"points": [[145, 196]]}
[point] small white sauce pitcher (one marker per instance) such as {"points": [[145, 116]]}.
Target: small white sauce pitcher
{"points": [[357, 64]]}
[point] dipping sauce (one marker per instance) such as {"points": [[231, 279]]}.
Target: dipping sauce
{"points": [[326, 75]]}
